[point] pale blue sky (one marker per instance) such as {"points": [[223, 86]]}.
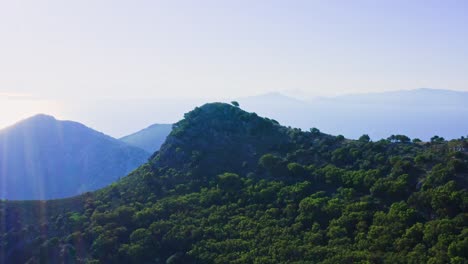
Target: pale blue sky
{"points": [[54, 51]]}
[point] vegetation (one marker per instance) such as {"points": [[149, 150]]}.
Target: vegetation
{"points": [[228, 186]]}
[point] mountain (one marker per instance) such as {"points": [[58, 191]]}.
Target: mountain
{"points": [[150, 139], [44, 158], [417, 97], [229, 186], [420, 113], [272, 99]]}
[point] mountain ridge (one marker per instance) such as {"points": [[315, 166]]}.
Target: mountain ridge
{"points": [[420, 113], [150, 138]]}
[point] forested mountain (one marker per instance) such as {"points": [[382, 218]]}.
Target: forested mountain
{"points": [[44, 158], [150, 138], [228, 186]]}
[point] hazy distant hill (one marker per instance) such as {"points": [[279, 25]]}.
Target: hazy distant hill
{"points": [[420, 113], [42, 157], [150, 138], [417, 113], [417, 97]]}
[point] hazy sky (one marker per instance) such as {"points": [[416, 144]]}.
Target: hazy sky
{"points": [[52, 52]]}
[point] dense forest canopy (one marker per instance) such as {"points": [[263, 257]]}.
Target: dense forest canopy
{"points": [[229, 186]]}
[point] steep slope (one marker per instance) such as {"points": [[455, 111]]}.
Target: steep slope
{"points": [[43, 158], [150, 139], [228, 186], [237, 139]]}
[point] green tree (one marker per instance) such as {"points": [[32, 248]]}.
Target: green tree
{"points": [[364, 138], [230, 182]]}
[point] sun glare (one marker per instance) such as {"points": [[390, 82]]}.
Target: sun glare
{"points": [[17, 107]]}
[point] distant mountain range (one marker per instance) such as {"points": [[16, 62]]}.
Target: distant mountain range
{"points": [[150, 139], [420, 113], [44, 158]]}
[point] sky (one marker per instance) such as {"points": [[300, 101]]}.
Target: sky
{"points": [[63, 57]]}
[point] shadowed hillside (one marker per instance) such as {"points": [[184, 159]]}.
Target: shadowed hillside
{"points": [[43, 158], [150, 139]]}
